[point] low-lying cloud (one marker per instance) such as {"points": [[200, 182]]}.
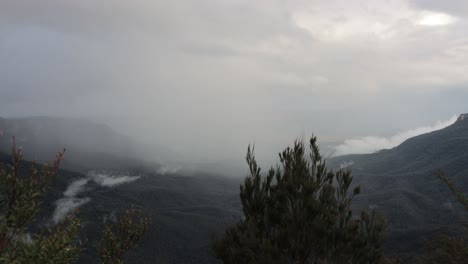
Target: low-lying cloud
{"points": [[67, 205], [346, 164], [71, 200], [163, 170], [106, 180], [372, 144]]}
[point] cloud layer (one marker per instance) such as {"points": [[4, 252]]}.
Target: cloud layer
{"points": [[372, 144], [208, 77]]}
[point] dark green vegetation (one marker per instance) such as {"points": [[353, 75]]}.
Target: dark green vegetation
{"points": [[118, 238], [20, 200], [301, 213], [185, 213], [21, 196], [448, 249], [188, 211]]}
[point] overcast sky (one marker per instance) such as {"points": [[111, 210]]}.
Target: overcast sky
{"points": [[211, 77]]}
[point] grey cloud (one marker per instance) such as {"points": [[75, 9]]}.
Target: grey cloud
{"points": [[212, 76], [455, 7]]}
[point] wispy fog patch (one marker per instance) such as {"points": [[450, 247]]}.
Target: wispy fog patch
{"points": [[109, 218], [106, 180], [168, 170], [67, 205], [372, 144], [71, 201], [346, 164], [75, 187]]}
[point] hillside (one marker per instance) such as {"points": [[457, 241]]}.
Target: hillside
{"points": [[186, 211], [401, 183]]}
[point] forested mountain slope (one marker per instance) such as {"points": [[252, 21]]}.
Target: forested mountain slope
{"points": [[401, 183]]}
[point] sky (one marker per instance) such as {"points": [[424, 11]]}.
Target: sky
{"points": [[207, 78]]}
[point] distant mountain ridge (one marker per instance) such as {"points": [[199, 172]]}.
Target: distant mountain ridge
{"points": [[401, 183], [89, 145], [424, 152]]}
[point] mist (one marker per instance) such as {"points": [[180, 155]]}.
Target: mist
{"points": [[370, 144], [70, 202], [73, 197], [198, 81]]}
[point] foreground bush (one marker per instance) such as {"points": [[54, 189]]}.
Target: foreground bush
{"points": [[21, 196], [20, 200], [300, 213], [121, 236]]}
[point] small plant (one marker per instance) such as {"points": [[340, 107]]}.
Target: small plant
{"points": [[21, 197], [121, 236]]}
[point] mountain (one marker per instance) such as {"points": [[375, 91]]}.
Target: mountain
{"points": [[401, 184], [188, 210], [89, 145]]}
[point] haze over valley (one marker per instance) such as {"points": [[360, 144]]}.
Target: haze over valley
{"points": [[157, 102]]}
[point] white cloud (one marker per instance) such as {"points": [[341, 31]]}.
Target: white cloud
{"points": [[346, 164], [75, 187], [382, 20], [339, 21], [164, 170], [71, 202], [435, 19], [371, 144], [66, 205], [106, 180]]}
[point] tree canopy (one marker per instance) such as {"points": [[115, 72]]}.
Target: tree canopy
{"points": [[300, 212]]}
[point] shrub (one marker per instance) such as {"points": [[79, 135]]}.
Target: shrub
{"points": [[300, 213]]}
